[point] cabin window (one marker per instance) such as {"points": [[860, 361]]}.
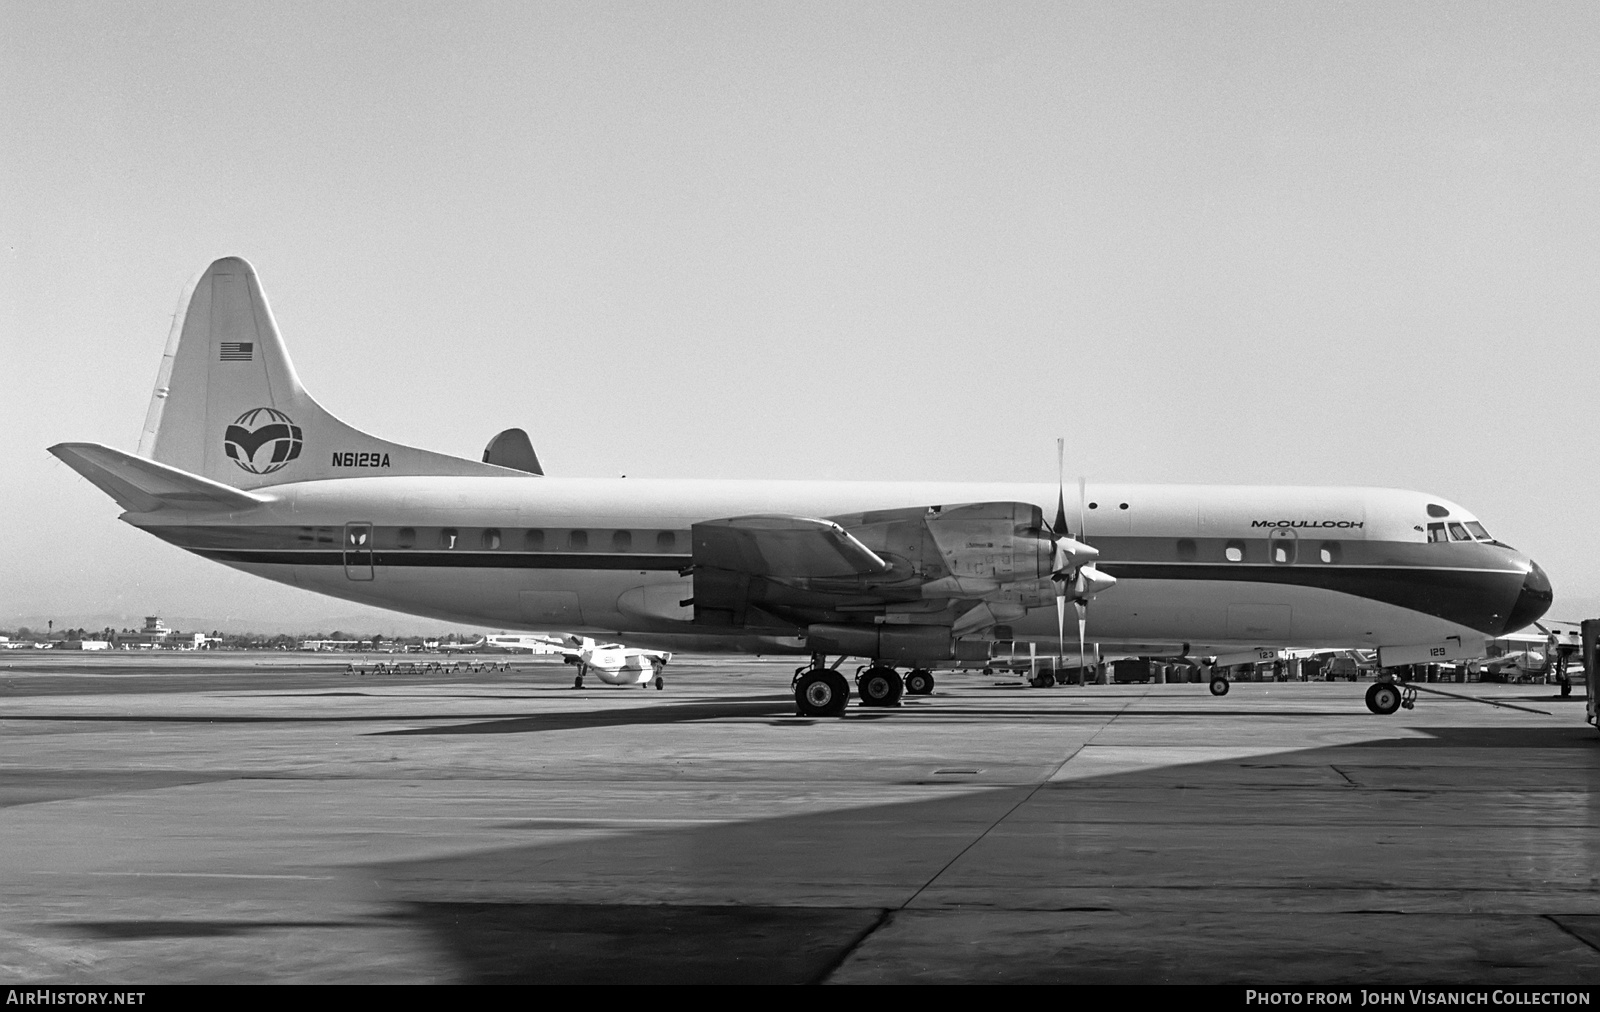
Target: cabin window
{"points": [[1329, 552], [1282, 550], [578, 541], [447, 537], [666, 541], [1186, 550], [622, 541], [491, 538], [1436, 533], [406, 537], [1234, 551], [1478, 531], [1458, 533], [533, 541]]}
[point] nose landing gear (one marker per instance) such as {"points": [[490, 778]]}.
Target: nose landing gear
{"points": [[1387, 697]]}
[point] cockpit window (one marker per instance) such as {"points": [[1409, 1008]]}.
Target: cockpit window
{"points": [[1459, 533], [1478, 531], [1436, 533]]}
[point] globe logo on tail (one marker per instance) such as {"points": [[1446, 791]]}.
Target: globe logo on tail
{"points": [[262, 440]]}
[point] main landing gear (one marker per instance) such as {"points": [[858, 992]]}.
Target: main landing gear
{"points": [[820, 692], [1219, 685], [880, 686]]}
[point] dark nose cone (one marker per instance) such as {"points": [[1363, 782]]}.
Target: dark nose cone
{"points": [[1534, 600]]}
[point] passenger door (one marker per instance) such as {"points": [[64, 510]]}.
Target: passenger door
{"points": [[358, 551]]}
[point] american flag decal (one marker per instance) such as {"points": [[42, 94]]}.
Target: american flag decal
{"points": [[237, 351]]}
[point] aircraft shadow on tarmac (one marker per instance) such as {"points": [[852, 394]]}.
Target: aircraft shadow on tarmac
{"points": [[143, 930], [779, 710], [1301, 865], [671, 713]]}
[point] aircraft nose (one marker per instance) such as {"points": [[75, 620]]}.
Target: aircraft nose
{"points": [[1533, 601]]}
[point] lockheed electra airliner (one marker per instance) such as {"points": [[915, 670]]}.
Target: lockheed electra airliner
{"points": [[237, 463]]}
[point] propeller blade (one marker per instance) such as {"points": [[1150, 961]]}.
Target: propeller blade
{"points": [[1060, 529], [1083, 495], [1083, 624], [1061, 630]]}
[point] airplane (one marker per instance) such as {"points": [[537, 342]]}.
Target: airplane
{"points": [[239, 464], [614, 663], [477, 646]]}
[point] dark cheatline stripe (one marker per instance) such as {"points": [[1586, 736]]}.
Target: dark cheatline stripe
{"points": [[1476, 599], [451, 560]]}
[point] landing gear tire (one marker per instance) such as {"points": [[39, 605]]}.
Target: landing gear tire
{"points": [[821, 693], [1566, 688], [919, 682], [1043, 680], [661, 683], [1384, 698], [577, 683], [880, 686], [1219, 686]]}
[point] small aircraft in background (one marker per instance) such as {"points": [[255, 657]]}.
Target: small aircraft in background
{"points": [[478, 646], [1544, 650], [613, 663], [616, 664]]}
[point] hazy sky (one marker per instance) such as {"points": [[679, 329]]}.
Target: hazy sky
{"points": [[1309, 243]]}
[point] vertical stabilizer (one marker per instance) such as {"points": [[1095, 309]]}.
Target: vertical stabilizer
{"points": [[229, 407]]}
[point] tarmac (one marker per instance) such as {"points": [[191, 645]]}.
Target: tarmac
{"points": [[249, 818]]}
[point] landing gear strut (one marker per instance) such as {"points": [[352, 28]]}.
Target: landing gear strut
{"points": [[880, 685]]}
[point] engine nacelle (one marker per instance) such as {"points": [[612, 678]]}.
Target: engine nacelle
{"points": [[999, 541]]}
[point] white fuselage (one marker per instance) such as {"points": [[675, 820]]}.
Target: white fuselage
{"points": [[1195, 565]]}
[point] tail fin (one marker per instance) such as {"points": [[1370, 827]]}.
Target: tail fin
{"points": [[229, 407]]}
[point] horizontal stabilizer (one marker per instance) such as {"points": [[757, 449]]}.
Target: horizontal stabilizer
{"points": [[783, 546], [144, 486]]}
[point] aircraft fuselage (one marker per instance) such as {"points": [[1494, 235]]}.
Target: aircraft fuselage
{"points": [[1195, 565]]}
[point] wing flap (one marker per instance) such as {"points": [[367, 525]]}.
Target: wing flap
{"points": [[144, 486], [780, 547]]}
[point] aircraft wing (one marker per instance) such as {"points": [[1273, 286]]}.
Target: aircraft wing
{"points": [[775, 571], [783, 546]]}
